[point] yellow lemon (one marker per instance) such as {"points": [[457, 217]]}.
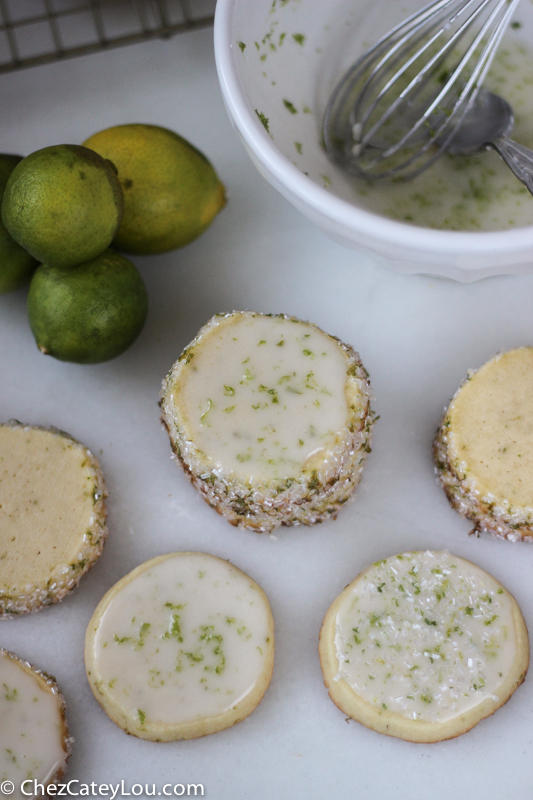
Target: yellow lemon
{"points": [[171, 191]]}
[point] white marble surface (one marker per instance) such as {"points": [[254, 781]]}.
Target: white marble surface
{"points": [[417, 337]]}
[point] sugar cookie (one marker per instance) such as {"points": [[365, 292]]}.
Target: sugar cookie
{"points": [[422, 646], [34, 740], [484, 447], [181, 647], [52, 516], [270, 419]]}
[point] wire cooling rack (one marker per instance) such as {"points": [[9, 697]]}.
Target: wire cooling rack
{"points": [[40, 31]]}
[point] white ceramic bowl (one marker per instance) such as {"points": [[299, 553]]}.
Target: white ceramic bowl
{"points": [[277, 62]]}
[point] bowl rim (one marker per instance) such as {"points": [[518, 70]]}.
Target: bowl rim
{"points": [[339, 213]]}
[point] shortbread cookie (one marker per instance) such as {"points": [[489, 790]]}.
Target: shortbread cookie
{"points": [[484, 447], [422, 646], [181, 647], [34, 740], [270, 419], [52, 516]]}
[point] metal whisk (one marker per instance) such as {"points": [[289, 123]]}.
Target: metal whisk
{"points": [[398, 107]]}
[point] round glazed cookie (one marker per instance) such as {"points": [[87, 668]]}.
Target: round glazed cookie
{"points": [[34, 740], [484, 447], [52, 516], [422, 646], [181, 647], [270, 419]]}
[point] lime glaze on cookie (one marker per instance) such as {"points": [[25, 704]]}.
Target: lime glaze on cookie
{"points": [[181, 647], [260, 399]]}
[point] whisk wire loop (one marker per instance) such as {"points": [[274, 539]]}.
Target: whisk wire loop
{"points": [[448, 120], [398, 107], [420, 78]]}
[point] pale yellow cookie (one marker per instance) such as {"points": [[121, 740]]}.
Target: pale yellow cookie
{"points": [[270, 419], [484, 447], [422, 646], [52, 516], [34, 740], [181, 647]]}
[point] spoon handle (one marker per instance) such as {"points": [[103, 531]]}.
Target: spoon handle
{"points": [[517, 157]]}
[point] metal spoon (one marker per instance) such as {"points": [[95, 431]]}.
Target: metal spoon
{"points": [[487, 124]]}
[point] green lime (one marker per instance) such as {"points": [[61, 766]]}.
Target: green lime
{"points": [[88, 313], [8, 163], [63, 204], [171, 191], [16, 265]]}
